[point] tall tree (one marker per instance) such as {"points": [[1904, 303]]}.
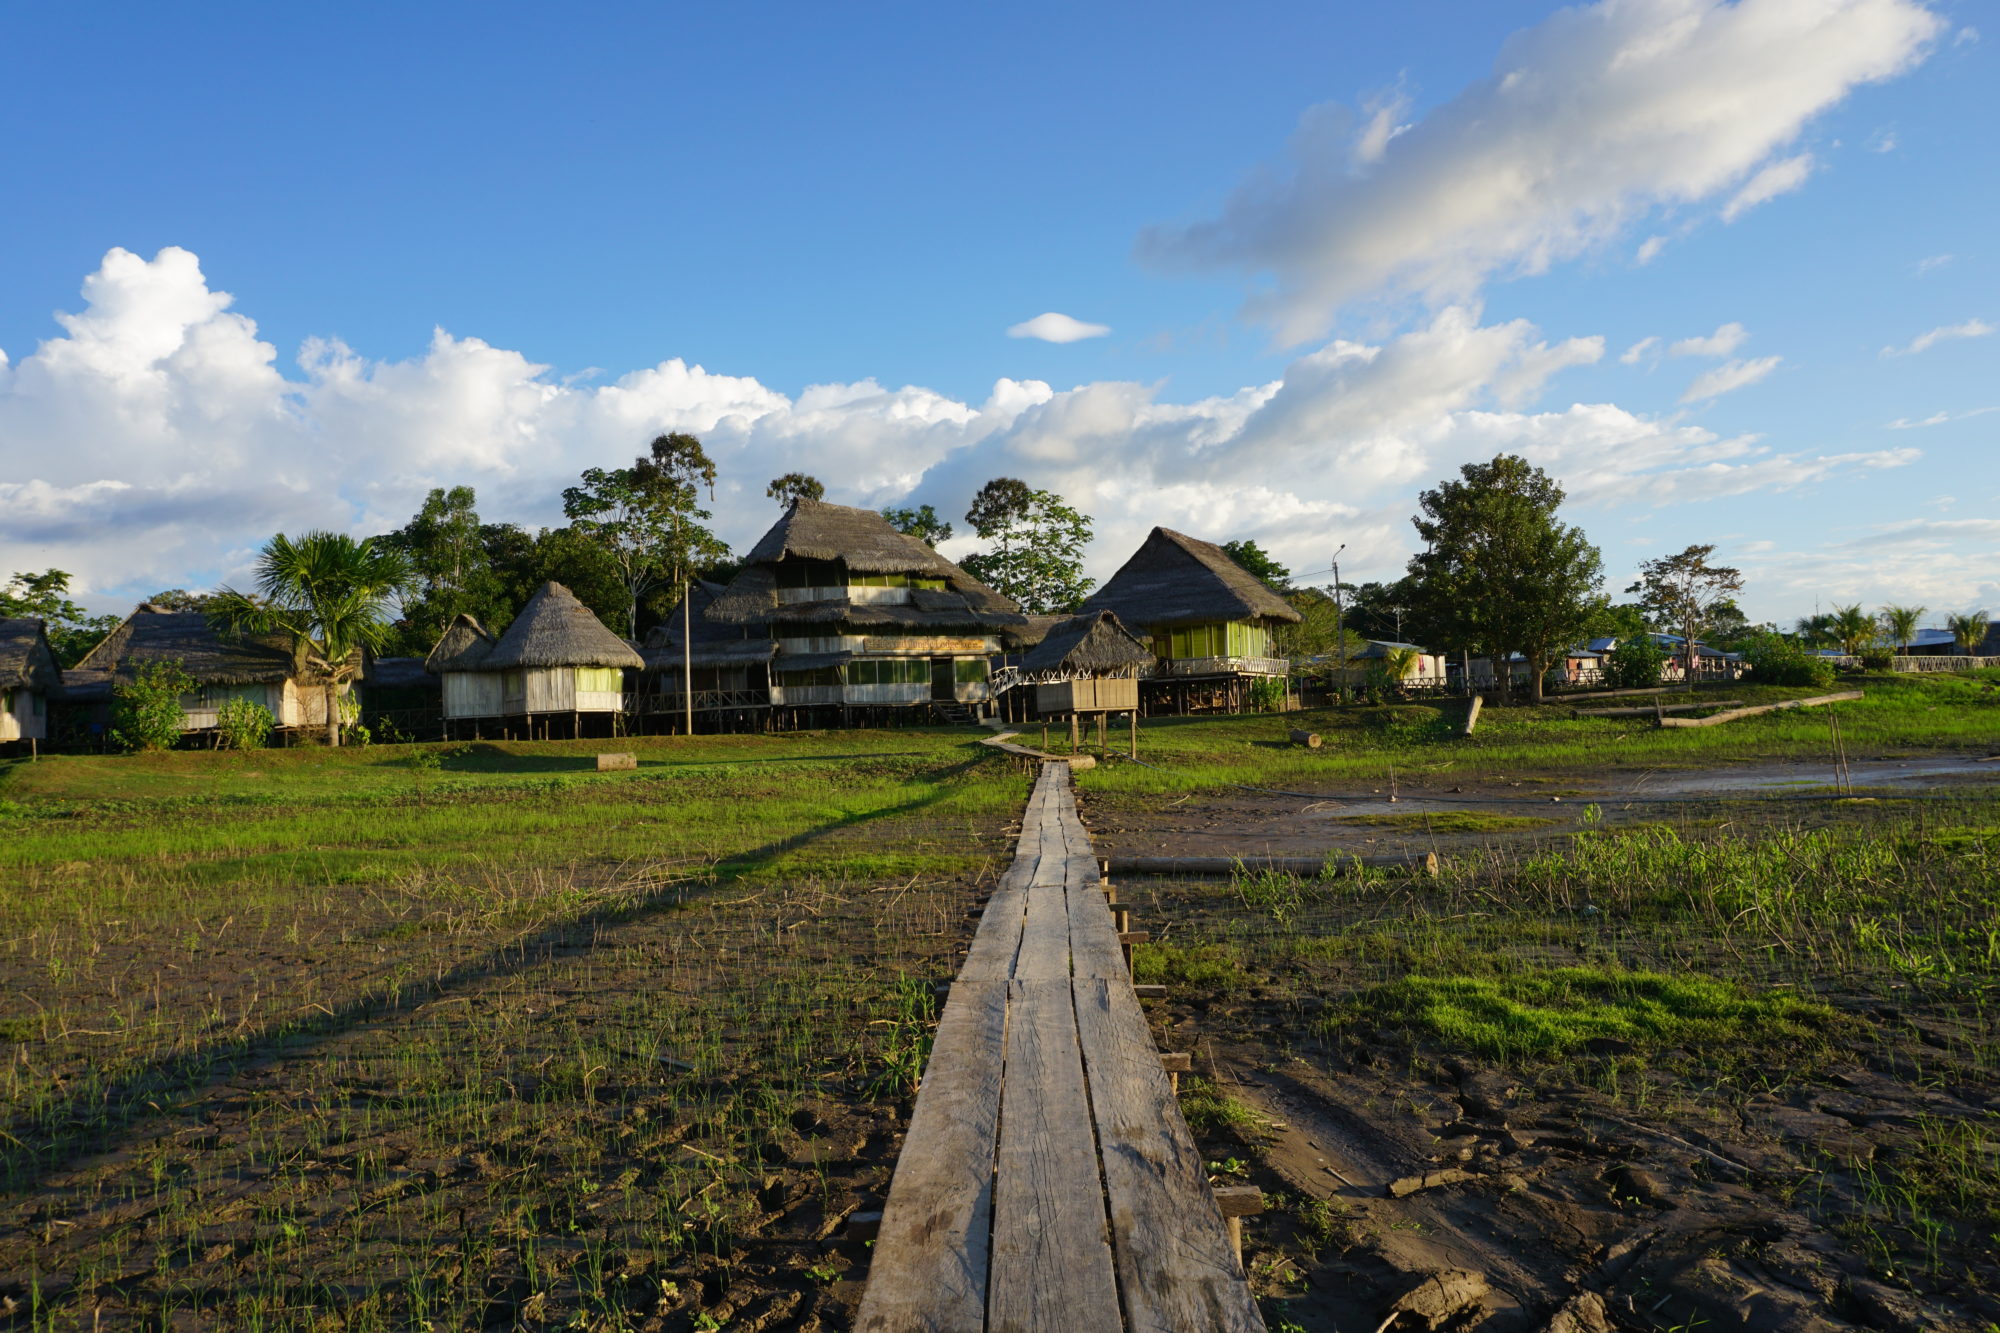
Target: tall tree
{"points": [[1499, 573], [1316, 632], [329, 594], [1899, 624], [648, 517], [1968, 631], [794, 486], [180, 599], [1814, 631], [922, 523], [1256, 560], [451, 570], [1038, 543], [1686, 591], [72, 631]]}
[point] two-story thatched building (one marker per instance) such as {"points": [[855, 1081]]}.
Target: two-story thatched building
{"points": [[1208, 621], [866, 623], [29, 680]]}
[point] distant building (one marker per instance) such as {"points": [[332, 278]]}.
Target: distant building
{"points": [[29, 679]]}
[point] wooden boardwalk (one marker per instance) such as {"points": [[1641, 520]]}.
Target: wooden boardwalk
{"points": [[1047, 1181]]}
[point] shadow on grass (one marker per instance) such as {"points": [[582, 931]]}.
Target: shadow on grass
{"points": [[491, 759], [87, 1121]]}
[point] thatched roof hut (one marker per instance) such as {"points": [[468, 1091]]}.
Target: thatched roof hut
{"points": [[841, 541], [26, 660], [714, 644], [556, 630], [153, 634], [1085, 647], [1174, 579], [464, 646]]}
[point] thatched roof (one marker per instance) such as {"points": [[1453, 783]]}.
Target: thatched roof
{"points": [[1092, 644], [25, 657], [556, 630], [398, 673], [1175, 579], [153, 634], [715, 645], [865, 543], [464, 646]]}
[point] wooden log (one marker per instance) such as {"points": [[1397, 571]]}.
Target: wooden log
{"points": [[930, 1262], [1651, 710], [1472, 708], [1815, 702], [611, 763], [1309, 739], [1205, 866], [1051, 1261]]}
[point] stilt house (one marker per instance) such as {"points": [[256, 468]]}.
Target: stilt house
{"points": [[257, 667], [732, 670], [861, 616], [459, 663], [558, 660], [1208, 620], [1088, 663], [29, 678]]}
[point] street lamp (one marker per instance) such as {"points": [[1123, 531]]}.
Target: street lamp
{"points": [[1340, 612]]}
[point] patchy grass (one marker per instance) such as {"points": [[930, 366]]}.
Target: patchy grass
{"points": [[1448, 821]]}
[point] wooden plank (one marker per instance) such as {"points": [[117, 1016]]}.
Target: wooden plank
{"points": [[1044, 954], [997, 942], [1093, 938], [1051, 1269], [1176, 1268], [1814, 702], [929, 1270]]}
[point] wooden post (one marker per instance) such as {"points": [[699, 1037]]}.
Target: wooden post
{"points": [[1135, 733], [1045, 735], [1102, 753], [1073, 742], [1472, 713], [1238, 1202]]}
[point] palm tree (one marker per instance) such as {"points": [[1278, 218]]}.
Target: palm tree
{"points": [[1968, 631], [1899, 624], [1815, 631], [330, 594], [1851, 628], [1397, 666]]}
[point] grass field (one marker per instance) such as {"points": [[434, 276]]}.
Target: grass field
{"points": [[470, 1035]]}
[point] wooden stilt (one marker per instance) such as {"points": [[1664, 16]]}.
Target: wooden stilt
{"points": [[1135, 732], [1073, 742]]}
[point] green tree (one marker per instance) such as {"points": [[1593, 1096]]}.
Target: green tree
{"points": [[1038, 543], [1316, 633], [795, 486], [1686, 591], [451, 571], [921, 523], [242, 724], [1634, 662], [1852, 629], [329, 594], [1257, 561], [180, 599], [1899, 624], [648, 518], [146, 710], [1499, 573], [1968, 631], [1815, 631], [72, 631]]}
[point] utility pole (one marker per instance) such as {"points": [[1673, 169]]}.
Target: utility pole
{"points": [[1340, 613]]}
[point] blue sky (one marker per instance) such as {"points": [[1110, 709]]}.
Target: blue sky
{"points": [[492, 244]]}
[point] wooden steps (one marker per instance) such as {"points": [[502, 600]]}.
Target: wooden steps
{"points": [[1047, 1181]]}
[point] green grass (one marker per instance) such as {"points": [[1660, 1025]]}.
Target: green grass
{"points": [[1544, 1012], [1448, 821]]}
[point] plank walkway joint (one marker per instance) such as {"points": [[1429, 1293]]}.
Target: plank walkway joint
{"points": [[1048, 1182]]}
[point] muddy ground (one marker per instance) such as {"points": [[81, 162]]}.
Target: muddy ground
{"points": [[1853, 1185]]}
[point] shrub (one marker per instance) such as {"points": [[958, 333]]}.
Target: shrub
{"points": [[244, 725], [146, 710], [1267, 695], [1877, 660], [1635, 663], [1776, 660]]}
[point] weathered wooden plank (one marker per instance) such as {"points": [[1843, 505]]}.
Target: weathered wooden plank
{"points": [[929, 1270], [1093, 938], [1816, 701], [1051, 1269], [997, 941], [1175, 1263], [1045, 945]]}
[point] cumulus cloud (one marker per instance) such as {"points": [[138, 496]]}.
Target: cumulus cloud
{"points": [[1590, 120], [156, 442], [1722, 342], [1731, 375], [1923, 342], [1052, 327]]}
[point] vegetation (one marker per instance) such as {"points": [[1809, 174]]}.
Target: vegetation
{"points": [[450, 566], [647, 518], [1776, 660], [1899, 624], [1635, 663], [1257, 561], [1038, 544], [242, 724], [1968, 630], [72, 631], [146, 710], [1686, 591], [795, 486], [1852, 629], [921, 522], [1500, 574], [326, 592]]}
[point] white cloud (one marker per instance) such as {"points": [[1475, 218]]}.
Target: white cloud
{"points": [[1882, 141], [1933, 263], [1636, 353], [1649, 249], [155, 443], [1965, 36], [1590, 120], [1052, 327], [1939, 418], [1774, 180], [1729, 376], [1724, 341], [1923, 342]]}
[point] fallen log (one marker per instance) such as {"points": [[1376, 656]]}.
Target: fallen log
{"points": [[1205, 866], [1309, 739], [1651, 710], [1734, 713]]}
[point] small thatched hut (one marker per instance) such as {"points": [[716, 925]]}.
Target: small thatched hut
{"points": [[459, 662], [1089, 663], [257, 667], [556, 658], [1209, 620], [29, 678], [864, 616]]}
